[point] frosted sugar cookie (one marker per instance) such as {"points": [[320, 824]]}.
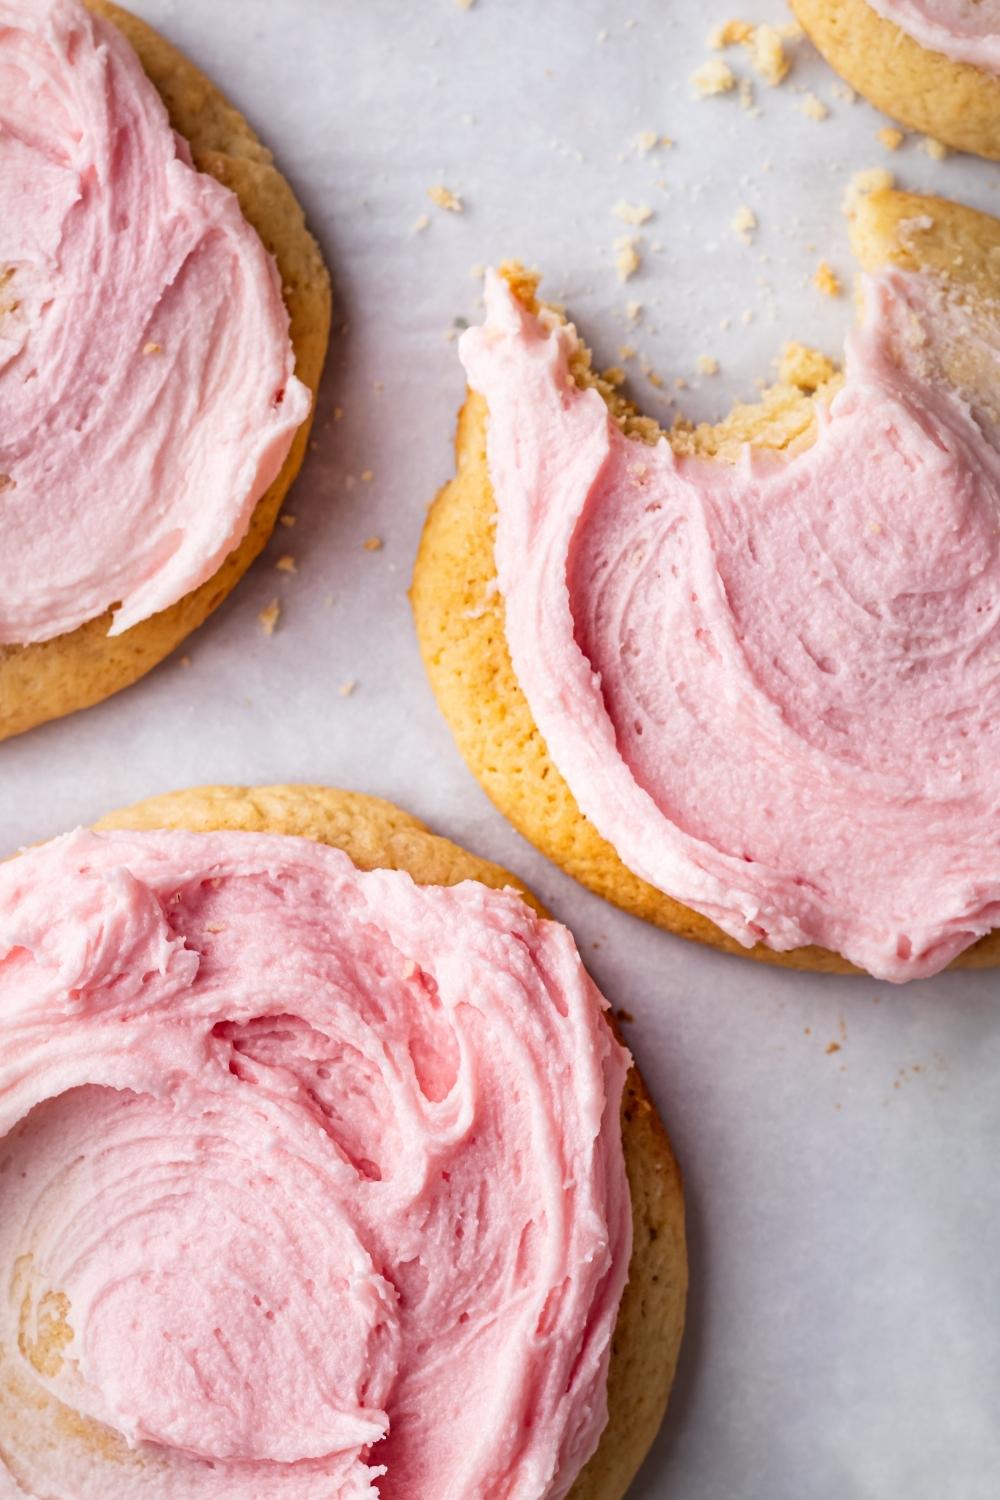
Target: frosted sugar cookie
{"points": [[320, 1170], [744, 680], [164, 314]]}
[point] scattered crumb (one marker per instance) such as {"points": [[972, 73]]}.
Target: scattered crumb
{"points": [[790, 30], [419, 225], [152, 348], [287, 520], [873, 180], [767, 54], [185, 661], [747, 97], [746, 317], [614, 375], [936, 150], [445, 198], [367, 475], [269, 617], [744, 223], [286, 564], [626, 351], [832, 1047], [845, 92], [713, 77], [826, 280], [891, 138], [707, 365], [347, 688], [627, 257], [477, 270], [646, 141], [633, 311], [632, 213], [465, 4], [338, 412], [373, 544], [813, 107], [728, 34]]}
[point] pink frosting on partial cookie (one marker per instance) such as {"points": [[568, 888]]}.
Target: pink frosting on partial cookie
{"points": [[773, 686], [967, 31], [147, 384], [327, 1165]]}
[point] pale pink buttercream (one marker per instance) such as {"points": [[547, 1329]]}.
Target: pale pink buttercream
{"points": [[327, 1164], [967, 31], [147, 386], [773, 686]]}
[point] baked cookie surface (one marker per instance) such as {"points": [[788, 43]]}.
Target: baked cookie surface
{"points": [[951, 101], [376, 834], [460, 615], [47, 679]]}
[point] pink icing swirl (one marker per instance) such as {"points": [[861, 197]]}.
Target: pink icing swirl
{"points": [[967, 31], [325, 1168], [773, 686], [146, 376]]}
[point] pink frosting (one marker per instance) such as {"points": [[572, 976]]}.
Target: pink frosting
{"points": [[773, 686], [967, 31], [327, 1164], [146, 374]]}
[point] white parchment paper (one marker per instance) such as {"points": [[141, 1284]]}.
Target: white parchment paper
{"points": [[839, 1137]]}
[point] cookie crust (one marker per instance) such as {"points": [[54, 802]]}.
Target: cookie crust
{"points": [[459, 614], [47, 679], [376, 834], [951, 101]]}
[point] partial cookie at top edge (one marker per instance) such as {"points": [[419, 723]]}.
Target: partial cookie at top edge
{"points": [[460, 616], [48, 679], [951, 101], [376, 834]]}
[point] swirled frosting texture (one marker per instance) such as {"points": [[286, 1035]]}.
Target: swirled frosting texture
{"points": [[773, 686], [967, 31], [147, 386], [311, 1181]]}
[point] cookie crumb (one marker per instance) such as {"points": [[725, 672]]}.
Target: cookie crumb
{"points": [[713, 77], [373, 544], [286, 563], [890, 137], [465, 4], [813, 107], [269, 617], [633, 311], [845, 92], [338, 412], [936, 150], [626, 351], [707, 365], [646, 141], [287, 520], [185, 661], [728, 34], [627, 257], [873, 180], [419, 225], [367, 475], [445, 198], [744, 223], [826, 280], [632, 213], [347, 688], [832, 1047], [767, 55], [152, 348]]}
